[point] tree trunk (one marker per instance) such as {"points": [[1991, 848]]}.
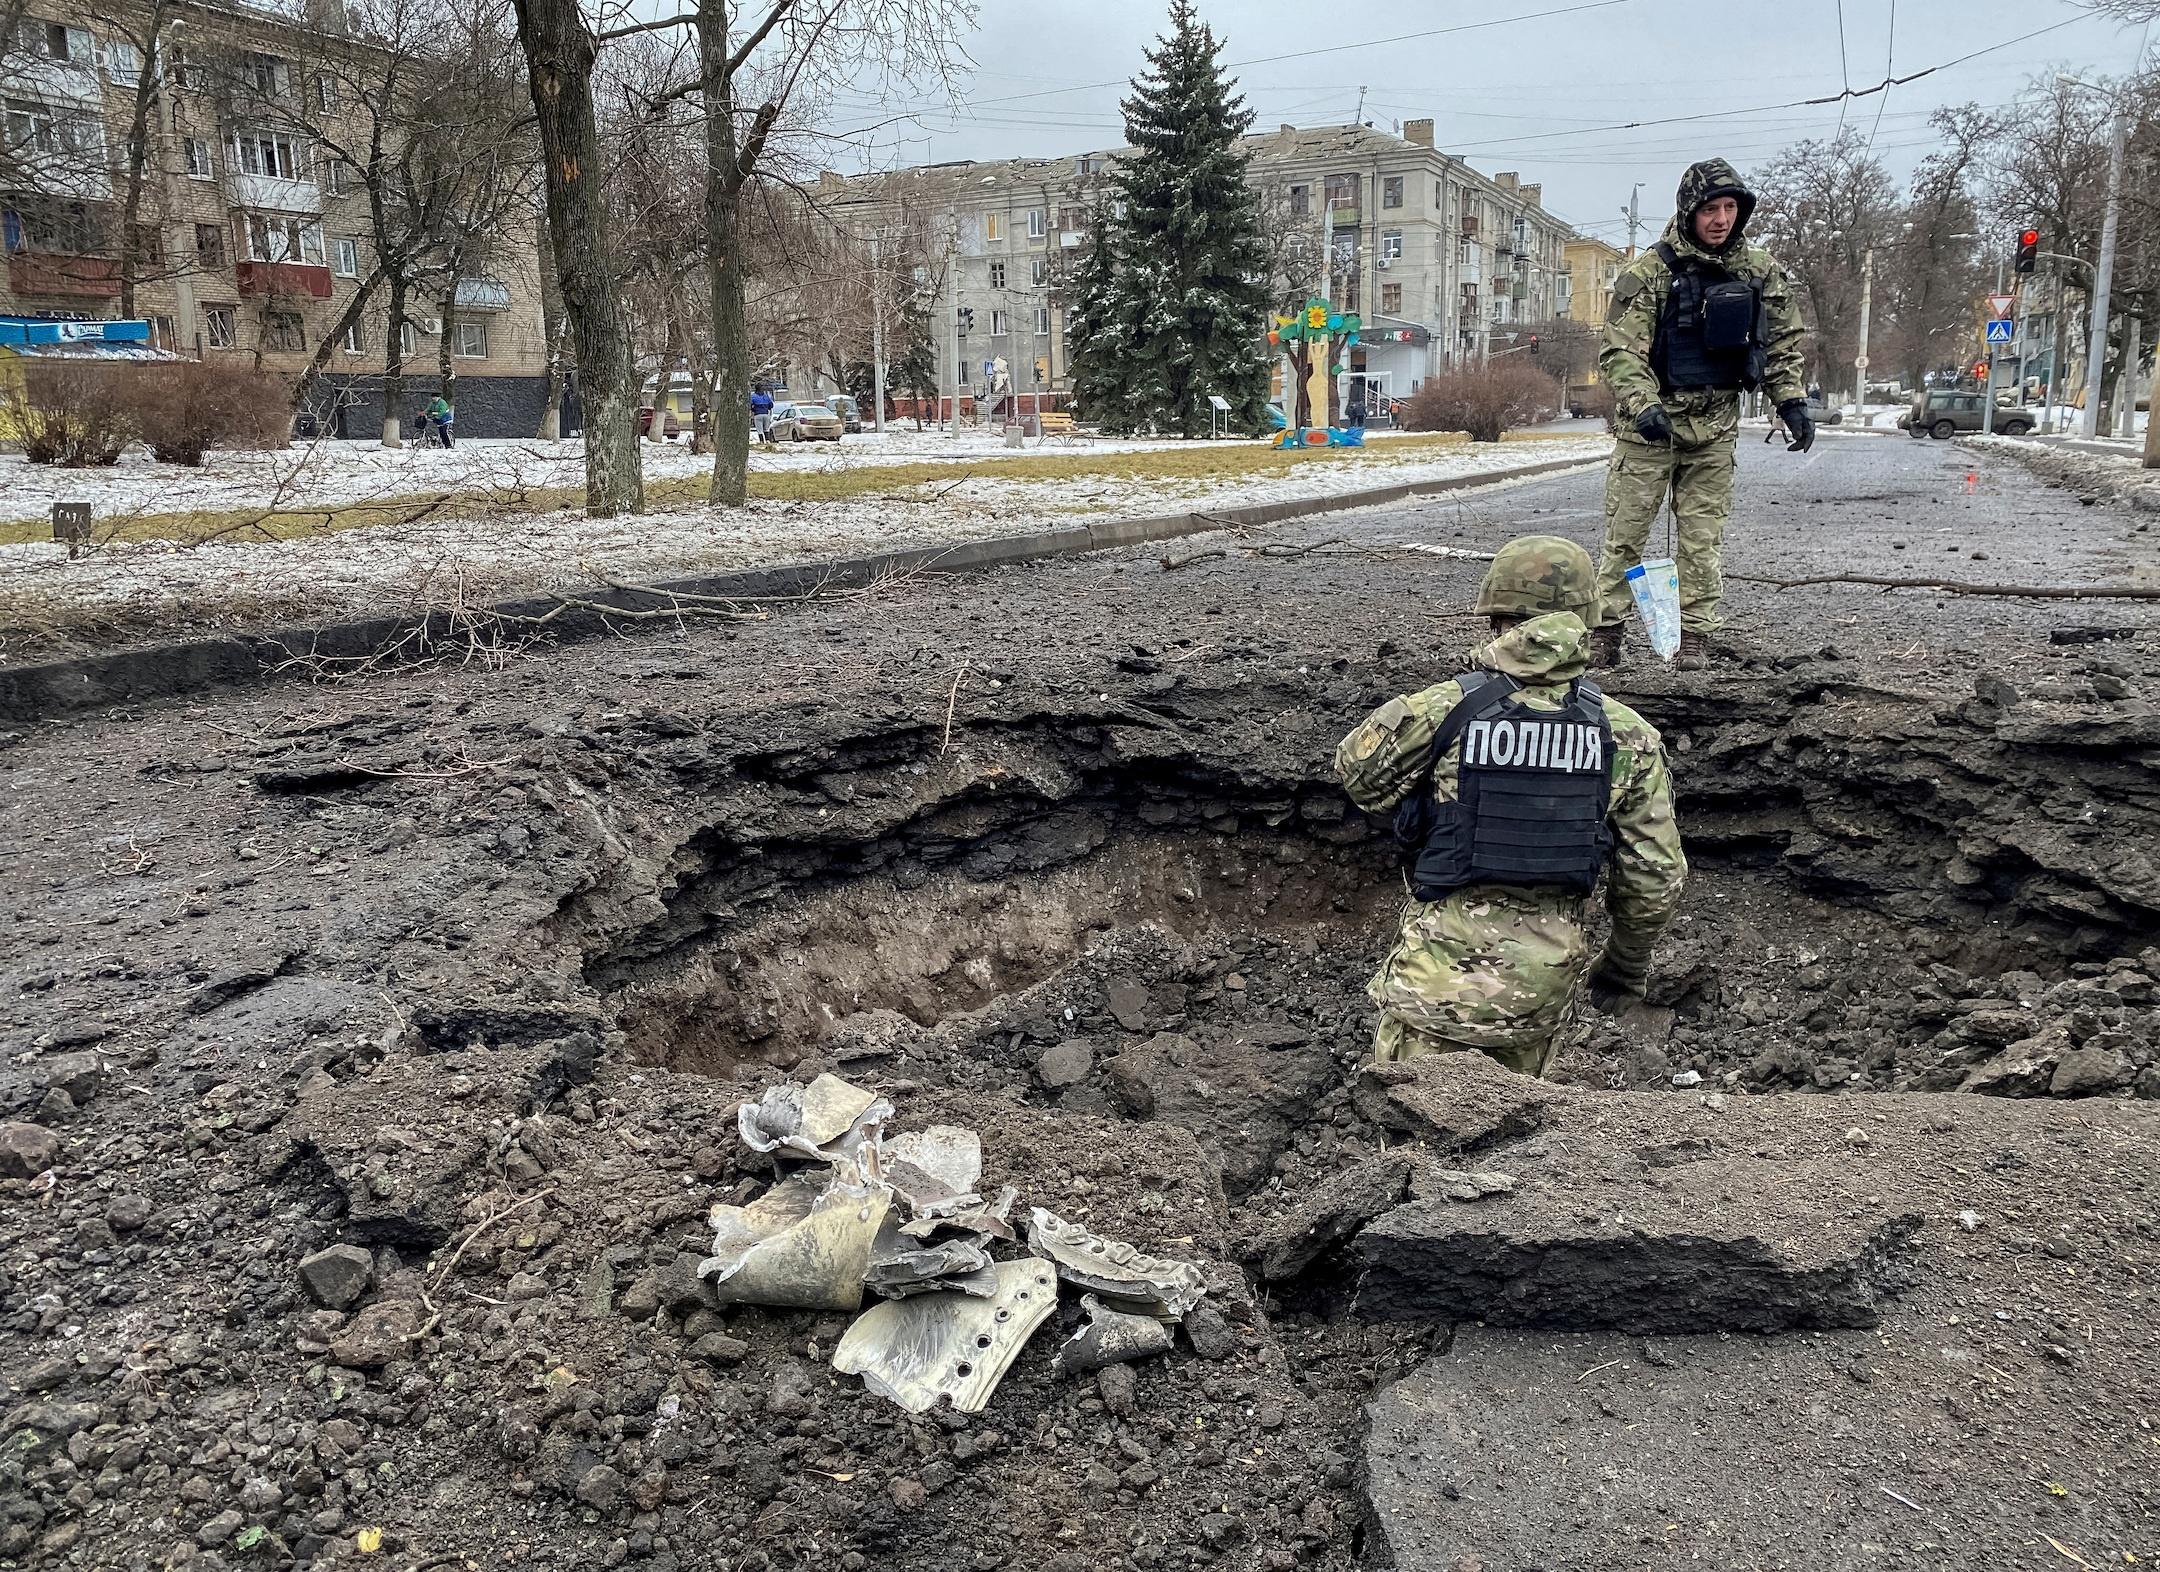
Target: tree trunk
{"points": [[725, 166], [393, 376], [554, 328], [559, 54], [445, 359], [138, 158]]}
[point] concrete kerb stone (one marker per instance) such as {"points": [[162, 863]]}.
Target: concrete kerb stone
{"points": [[51, 689]]}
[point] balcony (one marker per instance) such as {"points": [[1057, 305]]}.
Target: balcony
{"points": [[50, 273], [274, 194], [482, 294], [289, 280], [1068, 239]]}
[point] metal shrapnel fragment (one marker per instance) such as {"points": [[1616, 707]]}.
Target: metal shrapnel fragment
{"points": [[804, 1244], [1109, 1337], [948, 1345], [899, 1266], [829, 1119], [1125, 1278]]}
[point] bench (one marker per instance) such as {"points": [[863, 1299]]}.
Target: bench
{"points": [[1056, 423]]}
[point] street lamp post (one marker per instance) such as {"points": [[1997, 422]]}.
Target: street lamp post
{"points": [[2104, 273]]}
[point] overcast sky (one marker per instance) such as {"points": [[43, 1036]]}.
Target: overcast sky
{"points": [[1542, 95]]}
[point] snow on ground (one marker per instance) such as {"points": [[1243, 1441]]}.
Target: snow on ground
{"points": [[332, 473], [131, 589]]}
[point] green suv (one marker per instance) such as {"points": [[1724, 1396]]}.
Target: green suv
{"points": [[1942, 413]]}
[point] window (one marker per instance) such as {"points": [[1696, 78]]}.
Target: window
{"points": [[210, 245], [1391, 243], [200, 165], [993, 226], [356, 339], [1038, 221], [408, 340], [1466, 250], [347, 252], [472, 340], [1072, 218], [998, 325], [333, 177], [1301, 201], [326, 93], [266, 153], [1391, 192], [122, 63], [1042, 321], [1391, 299], [218, 326], [37, 127], [277, 237], [1342, 191], [266, 75], [283, 332], [1439, 196], [54, 41], [1039, 272], [1087, 166], [997, 275]]}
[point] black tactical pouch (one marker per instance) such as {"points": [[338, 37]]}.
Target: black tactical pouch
{"points": [[1728, 316]]}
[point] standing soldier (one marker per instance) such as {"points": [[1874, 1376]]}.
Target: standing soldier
{"points": [[1514, 786], [1695, 321]]}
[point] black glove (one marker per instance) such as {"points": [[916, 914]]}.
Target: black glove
{"points": [[1654, 424], [1797, 421]]}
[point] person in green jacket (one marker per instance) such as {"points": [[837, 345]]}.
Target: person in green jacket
{"points": [[441, 416], [1695, 321]]}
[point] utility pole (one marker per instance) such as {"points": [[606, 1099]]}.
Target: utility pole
{"points": [[959, 359], [2096, 351], [1988, 405], [877, 334], [1867, 301], [1633, 215]]}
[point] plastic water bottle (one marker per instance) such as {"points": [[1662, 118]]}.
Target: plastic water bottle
{"points": [[1655, 584]]}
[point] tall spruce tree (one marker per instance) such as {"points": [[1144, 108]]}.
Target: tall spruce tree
{"points": [[1094, 344], [1188, 292]]}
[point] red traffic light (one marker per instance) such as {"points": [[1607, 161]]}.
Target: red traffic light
{"points": [[2029, 237], [2028, 250]]}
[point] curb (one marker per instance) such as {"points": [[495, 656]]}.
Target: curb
{"points": [[55, 688]]}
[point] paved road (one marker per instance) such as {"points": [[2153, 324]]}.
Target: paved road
{"points": [[1855, 504]]}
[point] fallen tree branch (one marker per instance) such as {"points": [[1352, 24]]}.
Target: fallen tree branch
{"points": [[952, 704], [1279, 551], [1170, 563], [1959, 587], [442, 1273]]}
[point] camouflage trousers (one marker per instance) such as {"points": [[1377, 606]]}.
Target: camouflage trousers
{"points": [[1699, 479], [1490, 968]]}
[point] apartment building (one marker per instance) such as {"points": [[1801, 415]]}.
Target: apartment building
{"points": [[254, 238], [1589, 267], [1444, 264]]}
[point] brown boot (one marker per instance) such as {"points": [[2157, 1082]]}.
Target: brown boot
{"points": [[1694, 652], [1605, 645]]}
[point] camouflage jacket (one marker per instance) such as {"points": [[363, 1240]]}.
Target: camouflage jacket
{"points": [[1496, 966], [1638, 299]]}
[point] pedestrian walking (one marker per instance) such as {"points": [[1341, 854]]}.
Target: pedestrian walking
{"points": [[761, 413], [1514, 786], [1354, 411], [1695, 321], [441, 417]]}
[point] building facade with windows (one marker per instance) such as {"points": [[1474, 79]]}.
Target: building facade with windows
{"points": [[1446, 266], [1590, 267], [252, 238]]}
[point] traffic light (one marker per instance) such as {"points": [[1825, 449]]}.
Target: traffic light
{"points": [[967, 318], [2028, 250]]}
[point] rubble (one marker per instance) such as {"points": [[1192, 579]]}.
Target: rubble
{"points": [[1125, 1278], [947, 1345], [1109, 1337]]}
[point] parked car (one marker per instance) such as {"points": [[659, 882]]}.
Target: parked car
{"points": [[805, 423], [1826, 414], [1942, 413], [850, 415]]}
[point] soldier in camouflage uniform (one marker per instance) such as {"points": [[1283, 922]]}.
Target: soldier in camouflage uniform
{"points": [[1497, 967], [1676, 406]]}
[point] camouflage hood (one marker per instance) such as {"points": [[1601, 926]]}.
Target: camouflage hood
{"points": [[1713, 177], [1553, 648]]}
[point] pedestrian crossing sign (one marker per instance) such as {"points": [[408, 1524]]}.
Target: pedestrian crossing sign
{"points": [[2002, 331]]}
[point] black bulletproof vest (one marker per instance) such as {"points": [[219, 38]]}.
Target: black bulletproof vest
{"points": [[1530, 799], [1712, 331]]}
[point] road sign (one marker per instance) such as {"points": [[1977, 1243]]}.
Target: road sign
{"points": [[1859, 362], [2002, 331], [2001, 305]]}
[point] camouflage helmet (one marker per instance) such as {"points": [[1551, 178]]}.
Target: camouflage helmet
{"points": [[1534, 574]]}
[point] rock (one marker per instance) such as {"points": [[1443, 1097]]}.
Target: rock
{"points": [[1067, 1064], [378, 1335], [1209, 1334], [2091, 1072], [908, 1494], [259, 1497], [641, 1300], [336, 1277], [26, 1150], [219, 1529], [1675, 1257], [2024, 1069], [77, 1074], [717, 1348], [789, 1396], [1120, 1389], [55, 1107], [682, 1290], [1453, 1101], [1457, 1184], [1333, 1212], [1128, 1001], [600, 1487]]}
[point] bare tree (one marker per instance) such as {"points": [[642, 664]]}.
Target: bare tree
{"points": [[1824, 206]]}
